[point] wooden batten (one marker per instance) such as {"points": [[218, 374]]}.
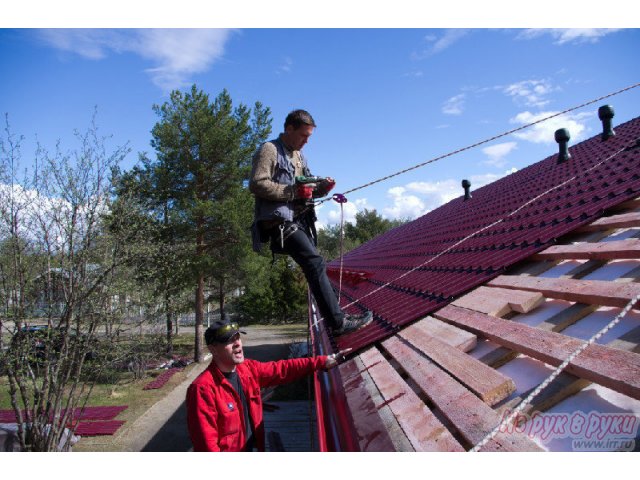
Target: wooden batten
{"points": [[566, 384], [594, 292], [422, 428], [612, 368], [490, 385], [456, 337], [625, 206], [567, 317], [620, 249], [499, 301], [624, 220], [375, 425], [472, 418]]}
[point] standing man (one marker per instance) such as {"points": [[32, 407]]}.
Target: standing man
{"points": [[284, 214], [224, 406]]}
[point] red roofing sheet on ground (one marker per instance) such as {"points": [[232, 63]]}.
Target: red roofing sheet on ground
{"points": [[80, 413], [7, 416], [161, 379], [420, 267], [100, 427]]}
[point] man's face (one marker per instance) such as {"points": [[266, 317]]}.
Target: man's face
{"points": [[297, 138], [229, 354]]}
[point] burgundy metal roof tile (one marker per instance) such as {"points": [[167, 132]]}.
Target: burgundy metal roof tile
{"points": [[104, 427], [461, 245]]}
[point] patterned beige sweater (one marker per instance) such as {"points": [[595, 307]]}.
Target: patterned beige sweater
{"points": [[264, 167]]}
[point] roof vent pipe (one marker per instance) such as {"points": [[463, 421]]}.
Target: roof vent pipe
{"points": [[605, 114], [562, 137], [466, 184]]}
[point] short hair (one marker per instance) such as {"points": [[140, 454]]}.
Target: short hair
{"points": [[297, 118]]}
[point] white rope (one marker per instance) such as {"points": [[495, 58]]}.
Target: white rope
{"points": [[341, 249], [555, 373]]}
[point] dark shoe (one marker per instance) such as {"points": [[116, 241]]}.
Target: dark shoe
{"points": [[351, 323]]}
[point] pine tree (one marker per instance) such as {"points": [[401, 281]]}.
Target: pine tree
{"points": [[204, 152]]}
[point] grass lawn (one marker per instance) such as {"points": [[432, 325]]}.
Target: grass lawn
{"points": [[127, 390]]}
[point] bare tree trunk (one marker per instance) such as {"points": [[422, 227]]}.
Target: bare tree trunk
{"points": [[167, 296], [221, 297], [169, 313], [199, 354], [169, 333]]}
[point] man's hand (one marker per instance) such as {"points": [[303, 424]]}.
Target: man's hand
{"points": [[304, 191], [336, 358], [324, 187]]}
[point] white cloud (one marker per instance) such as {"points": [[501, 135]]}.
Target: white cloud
{"points": [[48, 219], [286, 65], [454, 105], [409, 201], [544, 132], [418, 198], [531, 93], [438, 44], [450, 37], [496, 153], [569, 35], [332, 217], [414, 74], [176, 53], [404, 205]]}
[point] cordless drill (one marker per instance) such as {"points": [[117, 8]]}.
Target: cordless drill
{"points": [[310, 180]]}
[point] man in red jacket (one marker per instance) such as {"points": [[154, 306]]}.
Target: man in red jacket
{"points": [[224, 405]]}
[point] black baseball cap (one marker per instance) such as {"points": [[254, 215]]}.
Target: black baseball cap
{"points": [[222, 331]]}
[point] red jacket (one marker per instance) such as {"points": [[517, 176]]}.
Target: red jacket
{"points": [[214, 416]]}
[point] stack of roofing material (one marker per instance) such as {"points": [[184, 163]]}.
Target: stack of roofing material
{"points": [[98, 428], [161, 379], [79, 413], [91, 421]]}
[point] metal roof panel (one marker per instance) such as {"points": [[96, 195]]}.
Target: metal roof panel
{"points": [[461, 245]]}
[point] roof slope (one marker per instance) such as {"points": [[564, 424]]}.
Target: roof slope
{"points": [[507, 305], [437, 386], [422, 266]]}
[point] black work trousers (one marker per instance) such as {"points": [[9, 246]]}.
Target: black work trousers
{"points": [[301, 248]]}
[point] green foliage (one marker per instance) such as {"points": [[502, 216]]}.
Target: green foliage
{"points": [[204, 154], [273, 294], [329, 242], [368, 226], [195, 198]]}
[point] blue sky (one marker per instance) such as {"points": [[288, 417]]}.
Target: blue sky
{"points": [[383, 99]]}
